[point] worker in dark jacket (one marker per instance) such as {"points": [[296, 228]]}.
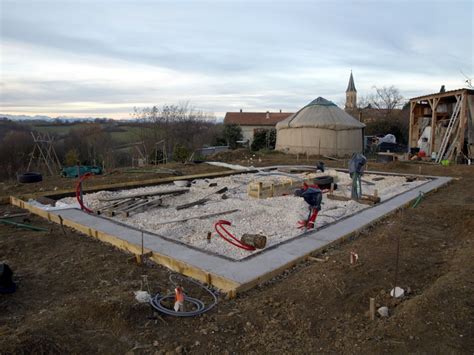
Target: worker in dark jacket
{"points": [[313, 196]]}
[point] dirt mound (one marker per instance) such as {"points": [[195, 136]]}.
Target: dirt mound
{"points": [[236, 155]]}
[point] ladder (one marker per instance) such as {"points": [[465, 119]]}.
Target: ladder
{"points": [[453, 121]]}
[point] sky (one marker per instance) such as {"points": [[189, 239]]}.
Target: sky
{"points": [[102, 58]]}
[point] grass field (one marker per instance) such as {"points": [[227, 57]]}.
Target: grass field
{"points": [[120, 133]]}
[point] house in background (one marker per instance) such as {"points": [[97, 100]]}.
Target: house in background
{"points": [[252, 122]]}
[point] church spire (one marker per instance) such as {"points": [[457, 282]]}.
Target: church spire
{"points": [[351, 85], [351, 94]]}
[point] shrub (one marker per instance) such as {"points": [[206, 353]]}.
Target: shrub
{"points": [[264, 139], [181, 153], [72, 157], [232, 133]]}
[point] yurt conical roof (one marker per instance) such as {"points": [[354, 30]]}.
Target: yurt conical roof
{"points": [[321, 113]]}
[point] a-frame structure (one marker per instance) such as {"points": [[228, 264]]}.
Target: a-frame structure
{"points": [[44, 154]]}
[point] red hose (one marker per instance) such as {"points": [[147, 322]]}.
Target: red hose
{"points": [[235, 241], [78, 192]]}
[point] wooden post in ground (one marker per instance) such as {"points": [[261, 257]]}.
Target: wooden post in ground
{"points": [[434, 105], [62, 224], [397, 261], [372, 308], [462, 125]]}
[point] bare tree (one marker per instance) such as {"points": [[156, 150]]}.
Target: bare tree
{"points": [[386, 98], [180, 125]]}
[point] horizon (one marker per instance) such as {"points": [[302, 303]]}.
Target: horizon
{"points": [[223, 56]]}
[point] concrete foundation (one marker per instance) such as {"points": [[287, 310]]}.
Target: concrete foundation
{"points": [[229, 275]]}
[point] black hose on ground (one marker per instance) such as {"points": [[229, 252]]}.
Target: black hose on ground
{"points": [[156, 302]]}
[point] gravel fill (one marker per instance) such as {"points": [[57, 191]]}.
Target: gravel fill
{"points": [[276, 217]]}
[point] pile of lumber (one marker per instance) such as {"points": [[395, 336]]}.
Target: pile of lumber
{"points": [[365, 199], [129, 204]]}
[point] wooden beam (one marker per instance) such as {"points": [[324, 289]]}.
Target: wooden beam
{"points": [[440, 95], [218, 281], [434, 106], [462, 123], [410, 127]]}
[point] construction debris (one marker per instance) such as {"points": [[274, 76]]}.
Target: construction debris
{"points": [[397, 292], [125, 207], [146, 194], [383, 311], [200, 217], [202, 200]]}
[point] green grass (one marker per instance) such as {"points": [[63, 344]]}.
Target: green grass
{"points": [[121, 134]]}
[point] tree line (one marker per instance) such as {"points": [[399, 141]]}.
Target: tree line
{"points": [[175, 131]]}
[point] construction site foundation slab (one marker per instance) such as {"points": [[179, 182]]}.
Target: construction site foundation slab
{"points": [[228, 275]]}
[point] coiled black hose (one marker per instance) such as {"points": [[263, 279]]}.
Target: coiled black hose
{"points": [[156, 302]]}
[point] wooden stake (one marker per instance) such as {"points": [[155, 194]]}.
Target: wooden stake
{"points": [[140, 258], [372, 308], [397, 259], [62, 224]]}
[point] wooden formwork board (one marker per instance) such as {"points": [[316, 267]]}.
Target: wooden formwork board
{"points": [[127, 185], [261, 190], [215, 280]]}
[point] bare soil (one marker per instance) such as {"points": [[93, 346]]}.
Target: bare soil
{"points": [[75, 294]]}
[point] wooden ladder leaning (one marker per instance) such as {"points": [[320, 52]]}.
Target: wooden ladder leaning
{"points": [[453, 121]]}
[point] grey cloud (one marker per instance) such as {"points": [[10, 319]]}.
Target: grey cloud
{"points": [[251, 47]]}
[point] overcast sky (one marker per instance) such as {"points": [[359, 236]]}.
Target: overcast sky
{"points": [[104, 57]]}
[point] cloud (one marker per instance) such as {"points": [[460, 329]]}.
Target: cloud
{"points": [[224, 55]]}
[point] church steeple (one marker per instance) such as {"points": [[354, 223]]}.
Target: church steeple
{"points": [[351, 94]]}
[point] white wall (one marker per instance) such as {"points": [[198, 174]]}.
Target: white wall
{"points": [[247, 131]]}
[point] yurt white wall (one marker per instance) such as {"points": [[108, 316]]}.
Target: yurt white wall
{"points": [[319, 141], [320, 128]]}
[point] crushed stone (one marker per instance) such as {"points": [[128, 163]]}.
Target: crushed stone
{"points": [[275, 217]]}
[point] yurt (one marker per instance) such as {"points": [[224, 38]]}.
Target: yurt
{"points": [[320, 128]]}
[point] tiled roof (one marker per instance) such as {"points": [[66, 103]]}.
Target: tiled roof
{"points": [[255, 118]]}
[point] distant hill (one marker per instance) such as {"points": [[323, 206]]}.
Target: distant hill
{"points": [[53, 119]]}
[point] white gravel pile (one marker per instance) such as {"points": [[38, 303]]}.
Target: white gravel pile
{"points": [[275, 217]]}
